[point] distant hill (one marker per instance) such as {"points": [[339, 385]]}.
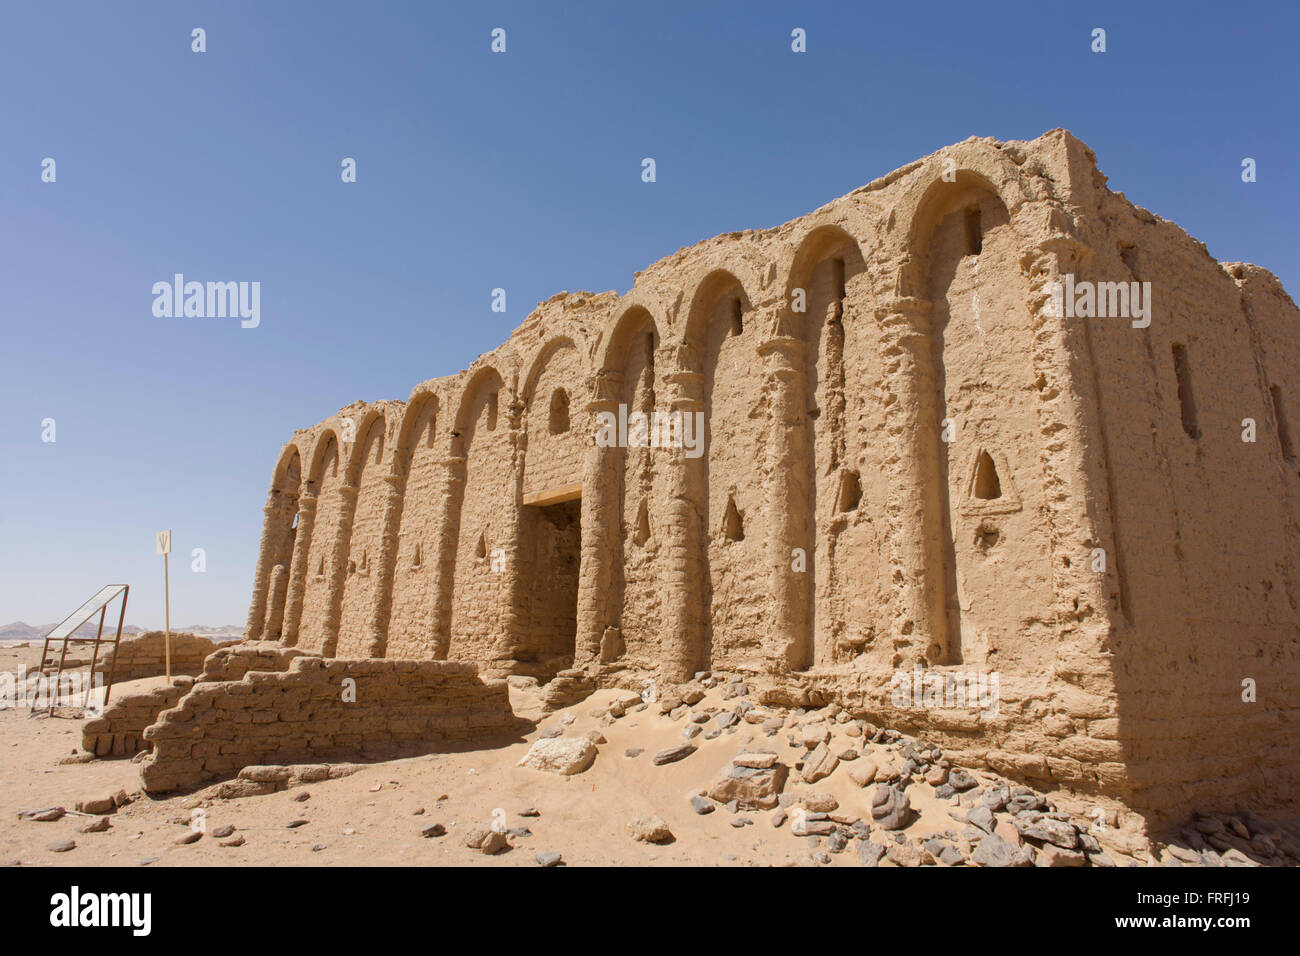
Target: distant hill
{"points": [[18, 631]]}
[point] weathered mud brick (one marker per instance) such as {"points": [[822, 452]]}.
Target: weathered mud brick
{"points": [[950, 427]]}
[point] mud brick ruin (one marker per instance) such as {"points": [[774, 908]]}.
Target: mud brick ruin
{"points": [[144, 655], [913, 458]]}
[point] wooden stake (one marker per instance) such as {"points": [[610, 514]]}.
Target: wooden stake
{"points": [[167, 619]]}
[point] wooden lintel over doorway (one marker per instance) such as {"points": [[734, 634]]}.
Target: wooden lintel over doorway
{"points": [[554, 496]]}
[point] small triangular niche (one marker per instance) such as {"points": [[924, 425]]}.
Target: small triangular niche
{"points": [[985, 486], [642, 533], [480, 549], [989, 488], [733, 526], [419, 554]]}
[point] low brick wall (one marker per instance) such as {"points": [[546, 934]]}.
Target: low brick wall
{"points": [[119, 730], [307, 714], [143, 655], [233, 661]]}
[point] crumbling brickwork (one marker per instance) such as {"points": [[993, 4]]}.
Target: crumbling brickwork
{"points": [[144, 655], [119, 730], [263, 705], [910, 461]]}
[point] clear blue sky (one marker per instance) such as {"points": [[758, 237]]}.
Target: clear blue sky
{"points": [[476, 171]]}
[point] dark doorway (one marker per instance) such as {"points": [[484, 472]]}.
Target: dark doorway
{"points": [[552, 541]]}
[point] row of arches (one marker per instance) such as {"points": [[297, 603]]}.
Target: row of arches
{"points": [[781, 542]]}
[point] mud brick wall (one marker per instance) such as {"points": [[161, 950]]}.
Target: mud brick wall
{"points": [[233, 662], [144, 656], [119, 730], [910, 459], [300, 715]]}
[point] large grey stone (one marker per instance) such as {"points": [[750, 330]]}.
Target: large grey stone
{"points": [[891, 808]]}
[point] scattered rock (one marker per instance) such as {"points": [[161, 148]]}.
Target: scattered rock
{"points": [[886, 768], [63, 846], [951, 856], [870, 854], [996, 798], [564, 755], [673, 754], [701, 805], [863, 772], [96, 826], [1023, 799], [961, 780], [751, 789], [1059, 856], [433, 830], [42, 815], [819, 764], [1047, 830], [818, 802], [107, 803], [891, 808], [734, 689], [185, 839], [810, 824], [1235, 857], [1183, 854], [649, 829], [494, 843], [236, 840], [755, 761], [814, 735], [548, 859], [994, 851], [904, 854], [982, 817]]}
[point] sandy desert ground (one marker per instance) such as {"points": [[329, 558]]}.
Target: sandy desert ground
{"points": [[376, 815]]}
